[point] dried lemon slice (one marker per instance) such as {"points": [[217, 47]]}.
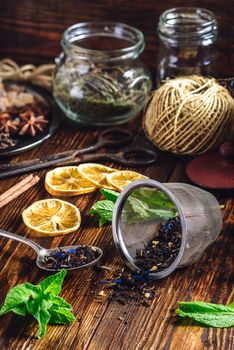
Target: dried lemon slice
{"points": [[96, 173], [120, 179], [67, 181], [52, 217]]}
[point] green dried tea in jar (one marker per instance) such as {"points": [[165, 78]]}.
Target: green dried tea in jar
{"points": [[99, 79]]}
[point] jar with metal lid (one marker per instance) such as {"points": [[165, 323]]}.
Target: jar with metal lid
{"points": [[99, 78], [187, 43], [164, 226]]}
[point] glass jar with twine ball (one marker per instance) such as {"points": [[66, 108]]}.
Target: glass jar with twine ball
{"points": [[187, 43]]}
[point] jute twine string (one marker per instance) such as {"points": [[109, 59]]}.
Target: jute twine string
{"points": [[188, 115], [41, 75]]}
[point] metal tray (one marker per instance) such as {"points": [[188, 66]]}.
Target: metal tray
{"points": [[28, 142]]}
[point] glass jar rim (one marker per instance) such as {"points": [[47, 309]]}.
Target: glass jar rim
{"points": [[109, 29], [187, 23]]}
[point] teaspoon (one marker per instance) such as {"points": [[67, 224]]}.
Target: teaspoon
{"points": [[43, 253]]}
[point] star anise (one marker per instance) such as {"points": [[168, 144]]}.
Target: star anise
{"points": [[8, 125], [32, 124], [6, 141], [4, 117]]}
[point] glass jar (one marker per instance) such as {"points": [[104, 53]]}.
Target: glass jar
{"points": [[99, 78], [187, 43]]}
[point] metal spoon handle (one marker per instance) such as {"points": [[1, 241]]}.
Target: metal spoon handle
{"points": [[21, 239]]}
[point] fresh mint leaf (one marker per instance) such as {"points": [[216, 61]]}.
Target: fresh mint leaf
{"points": [[60, 302], [142, 205], [41, 301], [103, 221], [42, 316], [20, 309], [110, 194], [60, 315], [53, 284], [17, 298], [214, 315], [104, 210], [136, 210], [33, 305], [153, 198]]}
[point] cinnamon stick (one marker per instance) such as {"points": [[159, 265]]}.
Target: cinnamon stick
{"points": [[18, 189]]}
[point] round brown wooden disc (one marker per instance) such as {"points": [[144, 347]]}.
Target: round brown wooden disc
{"points": [[212, 171]]}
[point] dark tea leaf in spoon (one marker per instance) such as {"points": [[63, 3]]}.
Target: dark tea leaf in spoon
{"points": [[70, 258]]}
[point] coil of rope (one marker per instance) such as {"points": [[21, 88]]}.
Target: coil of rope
{"points": [[188, 115], [41, 75]]}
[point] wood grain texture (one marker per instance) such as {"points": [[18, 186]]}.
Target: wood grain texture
{"points": [[30, 31], [98, 325]]}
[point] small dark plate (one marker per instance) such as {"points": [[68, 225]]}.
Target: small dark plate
{"points": [[29, 142]]}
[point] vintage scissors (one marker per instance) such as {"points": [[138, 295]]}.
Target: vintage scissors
{"points": [[110, 137]]}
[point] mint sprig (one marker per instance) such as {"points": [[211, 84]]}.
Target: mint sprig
{"points": [[41, 301], [103, 210], [213, 315], [142, 205], [110, 194]]}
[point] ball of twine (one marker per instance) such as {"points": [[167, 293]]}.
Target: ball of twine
{"points": [[188, 115]]}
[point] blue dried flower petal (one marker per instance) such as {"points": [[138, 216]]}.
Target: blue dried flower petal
{"points": [[59, 254], [118, 281], [71, 251], [138, 277]]}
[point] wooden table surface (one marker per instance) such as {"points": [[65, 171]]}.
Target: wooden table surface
{"points": [[30, 32], [101, 325]]}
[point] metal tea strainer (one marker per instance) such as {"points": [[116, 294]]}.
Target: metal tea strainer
{"points": [[198, 210]]}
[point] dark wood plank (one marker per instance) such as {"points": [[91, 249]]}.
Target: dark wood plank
{"points": [[38, 26]]}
